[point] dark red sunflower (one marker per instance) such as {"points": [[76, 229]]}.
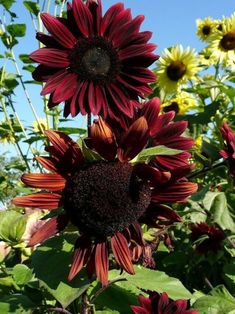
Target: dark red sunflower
{"points": [[228, 153], [103, 199], [95, 63], [162, 131], [211, 237], [159, 303]]}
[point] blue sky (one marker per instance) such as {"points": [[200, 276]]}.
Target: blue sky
{"points": [[171, 21]]}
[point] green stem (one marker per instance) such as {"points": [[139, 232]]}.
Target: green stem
{"points": [[88, 123], [18, 149], [205, 169]]}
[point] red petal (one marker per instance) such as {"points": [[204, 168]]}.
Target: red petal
{"points": [[51, 57], [162, 120], [82, 252], [47, 181], [120, 99], [66, 88], [101, 262], [121, 252], [151, 111], [139, 310], [39, 200], [54, 81], [145, 303], [48, 162], [83, 17], [49, 229], [148, 173], [58, 30], [133, 140], [136, 51], [103, 139], [109, 16]]}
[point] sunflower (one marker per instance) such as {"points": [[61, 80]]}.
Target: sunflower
{"points": [[95, 63], [181, 103], [162, 131], [175, 67], [222, 44], [40, 125], [104, 199], [228, 153], [159, 303], [206, 28]]}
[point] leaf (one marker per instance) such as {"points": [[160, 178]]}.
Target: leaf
{"points": [[16, 304], [216, 203], [219, 301], [8, 41], [158, 281], [25, 58], [51, 266], [89, 154], [7, 3], [12, 226], [32, 7], [22, 274], [229, 276], [151, 152], [29, 68], [16, 30], [72, 130]]}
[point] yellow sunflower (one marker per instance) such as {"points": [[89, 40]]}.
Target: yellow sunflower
{"points": [[206, 27], [40, 125], [206, 58], [181, 103], [175, 67], [222, 43]]}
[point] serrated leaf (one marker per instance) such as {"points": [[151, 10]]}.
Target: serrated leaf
{"points": [[51, 266], [160, 150], [22, 274], [158, 281], [12, 226], [216, 203], [219, 301], [32, 7], [16, 30]]}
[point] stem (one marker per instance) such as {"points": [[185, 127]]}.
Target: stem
{"points": [[18, 149], [58, 310], [85, 306], [205, 169], [88, 123]]}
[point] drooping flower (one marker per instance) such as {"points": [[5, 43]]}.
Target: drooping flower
{"points": [[206, 28], [181, 103], [162, 131], [175, 67], [95, 63], [228, 153], [222, 44], [208, 238], [159, 303], [103, 199]]}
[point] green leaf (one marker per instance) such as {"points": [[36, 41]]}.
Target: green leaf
{"points": [[216, 203], [9, 41], [219, 301], [29, 68], [51, 266], [16, 304], [32, 7], [17, 30], [158, 281], [72, 130], [12, 226], [229, 276], [22, 274], [25, 58], [149, 153], [89, 154], [7, 3]]}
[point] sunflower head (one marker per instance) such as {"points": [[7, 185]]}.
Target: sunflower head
{"points": [[181, 103], [175, 67], [95, 63], [206, 28]]}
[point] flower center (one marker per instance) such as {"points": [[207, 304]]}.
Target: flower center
{"points": [[228, 41], [174, 106], [95, 59], [176, 70], [105, 198], [206, 30]]}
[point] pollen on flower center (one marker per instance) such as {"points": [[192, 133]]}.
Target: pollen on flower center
{"points": [[228, 41], [105, 198], [95, 59], [176, 70]]}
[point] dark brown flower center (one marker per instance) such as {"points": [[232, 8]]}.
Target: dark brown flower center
{"points": [[176, 70], [105, 198], [95, 59], [228, 41], [206, 30], [174, 106]]}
